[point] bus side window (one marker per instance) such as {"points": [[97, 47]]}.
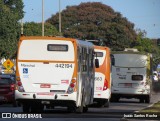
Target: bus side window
{"points": [[96, 59], [79, 58], [84, 59], [87, 63], [91, 57], [112, 59]]}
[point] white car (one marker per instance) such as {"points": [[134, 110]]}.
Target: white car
{"points": [[155, 76]]}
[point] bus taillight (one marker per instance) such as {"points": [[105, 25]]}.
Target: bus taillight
{"points": [[105, 85], [19, 85], [72, 86]]}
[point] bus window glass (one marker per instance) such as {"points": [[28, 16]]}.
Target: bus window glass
{"points": [[84, 59], [57, 47], [137, 77], [99, 54]]}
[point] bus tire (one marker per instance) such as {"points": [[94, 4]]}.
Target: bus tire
{"points": [[80, 108], [112, 98], [107, 104], [15, 104], [37, 108], [71, 109], [26, 108], [115, 99], [101, 103], [40, 109], [141, 100], [147, 99], [33, 109], [85, 109]]}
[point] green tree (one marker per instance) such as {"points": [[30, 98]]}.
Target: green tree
{"points": [[96, 21], [11, 11], [144, 44], [35, 29]]}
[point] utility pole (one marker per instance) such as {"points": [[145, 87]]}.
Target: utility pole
{"points": [[42, 17], [22, 25], [60, 16]]}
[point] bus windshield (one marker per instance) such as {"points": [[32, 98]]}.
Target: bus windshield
{"points": [[130, 60], [47, 50]]}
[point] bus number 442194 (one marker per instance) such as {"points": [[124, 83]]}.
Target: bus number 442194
{"points": [[63, 65]]}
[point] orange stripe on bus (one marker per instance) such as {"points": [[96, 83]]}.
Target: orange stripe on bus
{"points": [[45, 62], [105, 68]]}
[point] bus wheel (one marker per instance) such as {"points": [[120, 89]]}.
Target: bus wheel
{"points": [[40, 108], [80, 108], [37, 108], [15, 104], [107, 104], [147, 99], [85, 109], [71, 109], [33, 109], [112, 99], [26, 108], [115, 99], [101, 103], [141, 100]]}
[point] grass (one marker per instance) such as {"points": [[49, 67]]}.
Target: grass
{"points": [[153, 109]]}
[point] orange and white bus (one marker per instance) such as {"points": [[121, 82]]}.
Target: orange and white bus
{"points": [[102, 88], [54, 71]]}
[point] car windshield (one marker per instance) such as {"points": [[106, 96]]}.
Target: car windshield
{"points": [[4, 81]]}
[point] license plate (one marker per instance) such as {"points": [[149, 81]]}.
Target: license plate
{"points": [[98, 88], [45, 93], [128, 85], [45, 86]]}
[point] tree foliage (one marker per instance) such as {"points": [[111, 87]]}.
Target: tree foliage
{"points": [[96, 21], [10, 13], [35, 29], [144, 44]]}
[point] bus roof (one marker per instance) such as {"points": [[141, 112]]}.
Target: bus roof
{"points": [[81, 42], [85, 43], [45, 38], [129, 52], [101, 47]]}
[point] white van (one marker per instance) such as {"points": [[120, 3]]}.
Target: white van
{"points": [[131, 75], [54, 71]]}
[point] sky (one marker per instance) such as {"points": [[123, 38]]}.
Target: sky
{"points": [[145, 14]]}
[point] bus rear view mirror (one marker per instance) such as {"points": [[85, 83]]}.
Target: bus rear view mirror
{"points": [[112, 60], [96, 63]]}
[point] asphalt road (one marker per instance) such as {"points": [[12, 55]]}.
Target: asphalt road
{"points": [[115, 112]]}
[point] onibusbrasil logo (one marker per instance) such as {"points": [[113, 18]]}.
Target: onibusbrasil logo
{"points": [[20, 115]]}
